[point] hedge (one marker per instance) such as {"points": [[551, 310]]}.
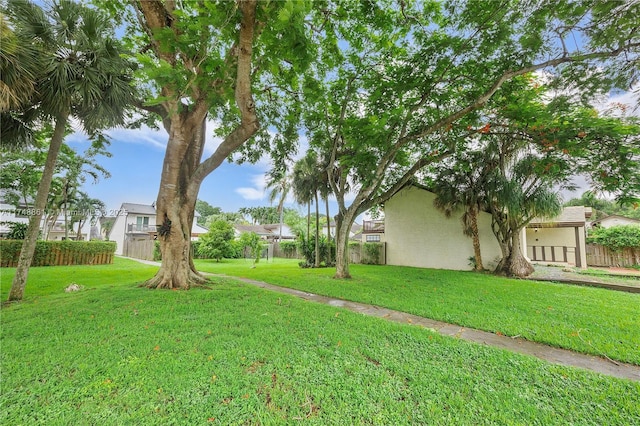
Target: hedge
{"points": [[616, 238], [56, 253]]}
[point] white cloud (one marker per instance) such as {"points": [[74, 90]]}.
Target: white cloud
{"points": [[255, 192]]}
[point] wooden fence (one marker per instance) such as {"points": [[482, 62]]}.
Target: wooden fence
{"points": [[58, 253], [139, 249], [355, 253], [598, 255]]}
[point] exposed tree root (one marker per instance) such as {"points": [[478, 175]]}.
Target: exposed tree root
{"points": [[177, 281]]}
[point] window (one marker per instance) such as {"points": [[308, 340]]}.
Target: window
{"points": [[373, 238]]}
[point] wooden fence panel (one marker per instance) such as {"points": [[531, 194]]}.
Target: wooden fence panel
{"points": [[139, 249], [355, 253], [598, 255]]}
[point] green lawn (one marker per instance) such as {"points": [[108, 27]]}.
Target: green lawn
{"points": [[116, 354], [589, 320]]}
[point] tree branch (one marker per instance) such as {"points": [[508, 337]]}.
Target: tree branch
{"points": [[249, 124]]}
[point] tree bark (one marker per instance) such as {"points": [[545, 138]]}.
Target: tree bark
{"points": [[182, 172], [517, 265], [317, 264], [175, 209], [343, 226], [326, 202], [29, 245], [475, 235]]}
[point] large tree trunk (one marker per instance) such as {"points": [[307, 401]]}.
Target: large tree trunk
{"points": [[29, 245], [317, 264], [343, 226], [182, 172], [517, 265], [475, 235], [175, 209]]}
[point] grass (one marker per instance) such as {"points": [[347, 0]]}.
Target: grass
{"points": [[589, 320], [115, 354]]}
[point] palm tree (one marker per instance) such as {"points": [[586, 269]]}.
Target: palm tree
{"points": [[279, 185], [325, 190], [83, 76], [462, 187], [85, 208], [20, 63], [305, 190]]}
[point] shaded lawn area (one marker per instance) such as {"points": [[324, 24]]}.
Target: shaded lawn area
{"points": [[589, 320], [115, 354]]}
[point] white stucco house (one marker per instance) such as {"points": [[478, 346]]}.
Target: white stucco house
{"points": [[417, 234], [137, 222], [559, 240]]}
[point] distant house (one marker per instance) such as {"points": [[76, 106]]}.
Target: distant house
{"points": [[137, 222], [560, 239], [614, 220], [372, 231], [21, 213], [269, 232], [10, 213], [355, 234], [417, 234]]}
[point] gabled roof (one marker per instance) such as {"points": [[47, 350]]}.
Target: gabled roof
{"points": [[258, 229], [615, 216], [139, 208], [197, 229], [570, 216]]}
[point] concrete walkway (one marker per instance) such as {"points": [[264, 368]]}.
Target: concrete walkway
{"points": [[547, 353], [620, 279]]}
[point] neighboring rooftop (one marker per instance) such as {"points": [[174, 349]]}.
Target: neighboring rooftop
{"points": [[570, 216], [139, 208]]}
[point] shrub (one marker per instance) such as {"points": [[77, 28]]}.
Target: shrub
{"points": [[288, 248], [17, 230], [307, 247], [252, 241], [617, 237], [217, 243], [52, 253], [371, 253]]}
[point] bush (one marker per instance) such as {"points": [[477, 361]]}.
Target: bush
{"points": [[288, 248], [617, 237], [53, 253], [371, 253], [252, 242], [307, 247], [217, 243], [17, 230]]}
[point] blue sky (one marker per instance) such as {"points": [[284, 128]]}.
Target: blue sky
{"points": [[136, 164]]}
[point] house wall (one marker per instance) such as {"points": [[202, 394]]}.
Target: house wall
{"points": [[419, 235], [553, 239], [117, 233]]}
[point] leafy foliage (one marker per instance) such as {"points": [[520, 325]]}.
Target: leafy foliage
{"points": [[616, 237], [17, 230], [217, 243], [307, 247], [252, 242]]}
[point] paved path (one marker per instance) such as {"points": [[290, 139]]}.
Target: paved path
{"points": [[621, 280], [547, 353]]}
